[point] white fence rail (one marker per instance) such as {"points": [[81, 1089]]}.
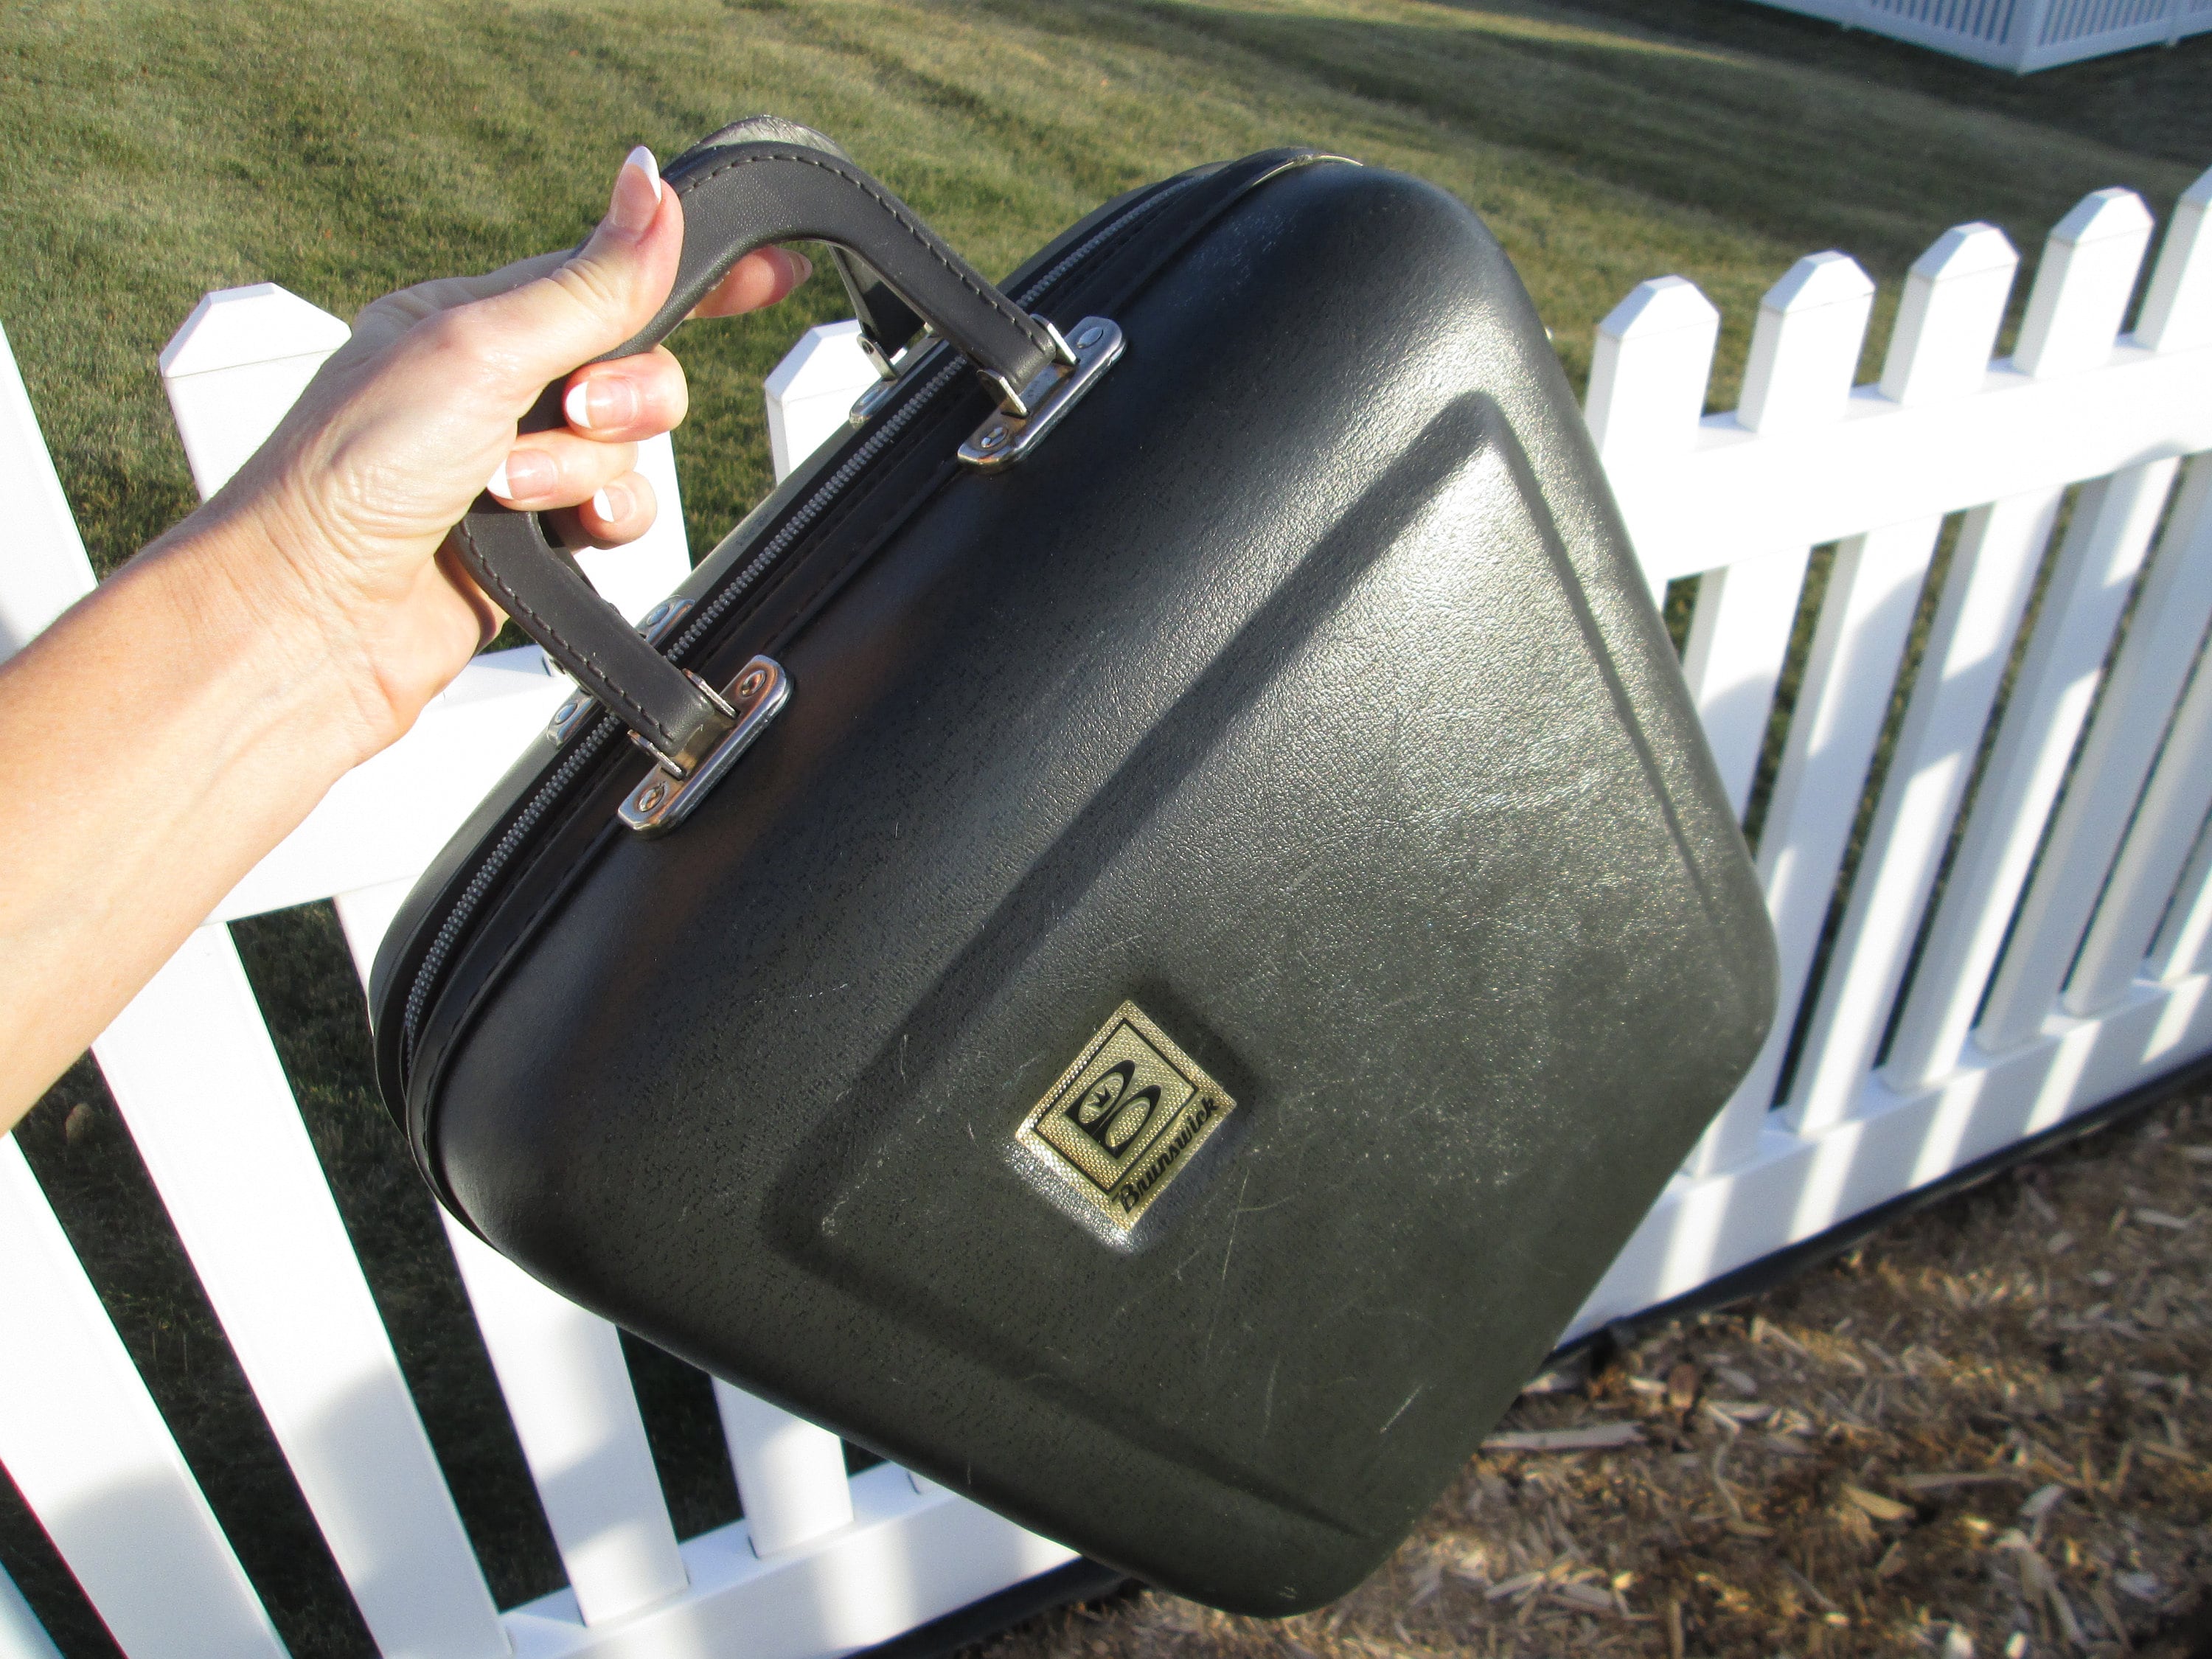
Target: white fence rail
{"points": [[2015, 888], [2021, 35]]}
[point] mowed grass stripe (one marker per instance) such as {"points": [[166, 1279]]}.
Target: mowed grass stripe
{"points": [[345, 149]]}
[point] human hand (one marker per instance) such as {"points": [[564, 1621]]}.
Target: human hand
{"points": [[335, 529], [300, 620]]}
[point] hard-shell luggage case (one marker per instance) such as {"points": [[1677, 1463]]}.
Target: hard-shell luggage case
{"points": [[1139, 935]]}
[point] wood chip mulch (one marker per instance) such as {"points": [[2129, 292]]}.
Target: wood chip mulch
{"points": [[1985, 1431]]}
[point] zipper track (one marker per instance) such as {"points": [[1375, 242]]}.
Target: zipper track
{"points": [[707, 615], [604, 728]]}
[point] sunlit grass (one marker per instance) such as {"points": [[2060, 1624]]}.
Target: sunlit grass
{"points": [[343, 149]]}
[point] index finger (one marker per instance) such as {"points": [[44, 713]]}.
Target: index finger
{"points": [[761, 278]]}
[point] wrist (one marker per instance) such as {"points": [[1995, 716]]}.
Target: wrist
{"points": [[272, 657]]}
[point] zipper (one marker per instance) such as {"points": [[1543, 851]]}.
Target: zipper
{"points": [[604, 728], [703, 619]]}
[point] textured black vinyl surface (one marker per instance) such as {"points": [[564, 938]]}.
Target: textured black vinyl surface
{"points": [[1300, 688]]}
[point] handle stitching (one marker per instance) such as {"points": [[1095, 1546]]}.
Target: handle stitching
{"points": [[585, 663], [995, 300]]}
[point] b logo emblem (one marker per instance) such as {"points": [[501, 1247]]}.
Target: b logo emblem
{"points": [[1112, 1113], [1124, 1119]]}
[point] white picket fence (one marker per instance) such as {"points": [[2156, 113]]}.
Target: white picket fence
{"points": [[2021, 35], [2068, 958]]}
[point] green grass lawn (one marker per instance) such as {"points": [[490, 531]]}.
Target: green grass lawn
{"points": [[342, 148]]}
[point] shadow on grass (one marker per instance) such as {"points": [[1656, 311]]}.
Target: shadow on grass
{"points": [[2150, 101], [1796, 131]]}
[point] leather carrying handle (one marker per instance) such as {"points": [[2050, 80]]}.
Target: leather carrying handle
{"points": [[753, 183]]}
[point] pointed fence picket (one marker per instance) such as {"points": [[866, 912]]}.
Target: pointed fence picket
{"points": [[1961, 806], [2021, 930], [2184, 944], [1647, 389], [567, 1386], [87, 1448], [79, 1434], [1803, 349], [2173, 610], [193, 1071], [22, 1635], [1984, 595], [2159, 843], [47, 571], [1939, 352], [2072, 322], [791, 1473]]}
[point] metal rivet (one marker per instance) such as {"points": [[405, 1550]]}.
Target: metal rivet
{"points": [[995, 438], [1090, 337], [651, 796], [750, 685]]}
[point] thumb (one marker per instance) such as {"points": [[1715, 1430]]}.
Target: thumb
{"points": [[596, 299]]}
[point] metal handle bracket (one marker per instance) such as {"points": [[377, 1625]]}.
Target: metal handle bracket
{"points": [[1022, 422], [665, 798]]}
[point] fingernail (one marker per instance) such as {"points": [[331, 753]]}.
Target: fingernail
{"points": [[636, 195], [524, 473], [606, 401], [603, 504], [801, 266]]}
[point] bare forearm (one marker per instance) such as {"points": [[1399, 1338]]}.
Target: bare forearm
{"points": [[155, 741], [163, 735]]}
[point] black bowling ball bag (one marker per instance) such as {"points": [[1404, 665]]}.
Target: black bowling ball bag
{"points": [[1139, 934]]}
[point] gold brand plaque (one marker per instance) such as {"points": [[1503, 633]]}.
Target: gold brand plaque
{"points": [[1124, 1119]]}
